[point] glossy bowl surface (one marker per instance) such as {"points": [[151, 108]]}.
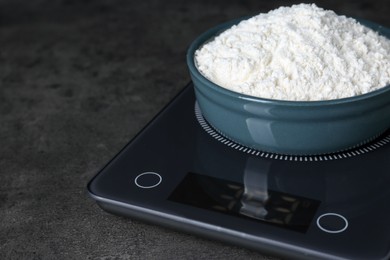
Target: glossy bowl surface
{"points": [[290, 127]]}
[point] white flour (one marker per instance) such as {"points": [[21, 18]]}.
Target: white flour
{"points": [[301, 53]]}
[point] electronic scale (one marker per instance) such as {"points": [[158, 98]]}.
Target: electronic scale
{"points": [[180, 172]]}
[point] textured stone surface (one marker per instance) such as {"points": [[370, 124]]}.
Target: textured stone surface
{"points": [[78, 79]]}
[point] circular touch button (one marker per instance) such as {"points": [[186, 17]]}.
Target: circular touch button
{"points": [[148, 180], [332, 223]]}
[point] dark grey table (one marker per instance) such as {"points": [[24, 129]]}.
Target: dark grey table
{"points": [[78, 79]]}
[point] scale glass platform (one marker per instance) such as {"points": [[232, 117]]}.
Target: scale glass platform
{"points": [[181, 173]]}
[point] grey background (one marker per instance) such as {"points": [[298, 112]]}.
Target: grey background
{"points": [[78, 79]]}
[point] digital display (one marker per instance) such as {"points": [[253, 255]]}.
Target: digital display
{"points": [[232, 198]]}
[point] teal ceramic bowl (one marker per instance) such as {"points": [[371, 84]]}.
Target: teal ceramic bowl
{"points": [[290, 127]]}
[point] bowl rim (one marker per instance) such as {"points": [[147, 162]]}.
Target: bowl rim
{"points": [[208, 34]]}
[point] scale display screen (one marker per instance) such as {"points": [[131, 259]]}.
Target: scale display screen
{"points": [[233, 198]]}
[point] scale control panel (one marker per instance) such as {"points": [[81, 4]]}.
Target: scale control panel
{"points": [[281, 206]]}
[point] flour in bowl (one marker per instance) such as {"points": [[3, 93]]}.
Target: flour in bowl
{"points": [[299, 53]]}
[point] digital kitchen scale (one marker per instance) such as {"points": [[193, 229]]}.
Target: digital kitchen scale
{"points": [[180, 172]]}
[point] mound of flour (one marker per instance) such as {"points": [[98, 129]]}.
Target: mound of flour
{"points": [[301, 53]]}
